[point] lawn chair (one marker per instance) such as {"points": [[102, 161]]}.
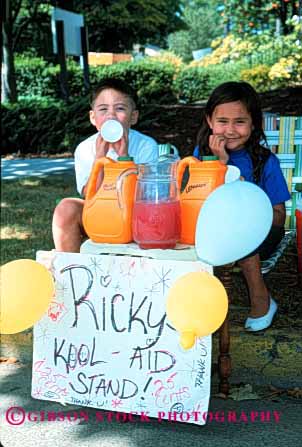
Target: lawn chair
{"points": [[165, 149], [284, 138]]}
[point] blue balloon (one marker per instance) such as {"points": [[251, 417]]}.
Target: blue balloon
{"points": [[233, 221]]}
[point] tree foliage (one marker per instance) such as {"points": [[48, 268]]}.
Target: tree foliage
{"points": [[203, 23], [113, 26], [30, 23], [251, 16], [117, 25]]}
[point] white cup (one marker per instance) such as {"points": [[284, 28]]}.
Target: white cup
{"points": [[232, 174], [112, 131]]}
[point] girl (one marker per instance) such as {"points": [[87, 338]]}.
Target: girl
{"points": [[232, 130]]}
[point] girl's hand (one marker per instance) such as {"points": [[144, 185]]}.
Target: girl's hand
{"points": [[217, 146]]}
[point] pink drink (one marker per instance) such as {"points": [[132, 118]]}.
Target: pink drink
{"points": [[156, 225]]}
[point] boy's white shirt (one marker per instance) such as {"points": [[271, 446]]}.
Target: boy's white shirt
{"points": [[142, 148]]}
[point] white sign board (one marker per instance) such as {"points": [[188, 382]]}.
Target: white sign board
{"points": [[105, 341], [72, 31]]}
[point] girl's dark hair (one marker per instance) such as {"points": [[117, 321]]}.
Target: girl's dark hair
{"points": [[245, 93], [114, 84]]}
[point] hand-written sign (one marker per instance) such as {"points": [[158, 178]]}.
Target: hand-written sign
{"points": [[105, 341]]}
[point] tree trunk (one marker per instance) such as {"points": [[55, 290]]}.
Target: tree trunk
{"points": [[283, 17], [8, 79]]}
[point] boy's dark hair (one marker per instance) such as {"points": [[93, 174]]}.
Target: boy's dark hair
{"points": [[245, 93], [115, 84]]}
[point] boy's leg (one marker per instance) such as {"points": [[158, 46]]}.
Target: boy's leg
{"points": [[259, 295], [67, 228]]}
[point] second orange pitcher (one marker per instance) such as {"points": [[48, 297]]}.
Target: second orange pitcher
{"points": [[204, 177]]}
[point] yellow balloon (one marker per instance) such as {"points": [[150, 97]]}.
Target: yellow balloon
{"points": [[197, 305], [26, 291]]}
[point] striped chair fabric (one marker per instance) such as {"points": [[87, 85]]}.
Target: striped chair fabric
{"points": [[284, 137]]}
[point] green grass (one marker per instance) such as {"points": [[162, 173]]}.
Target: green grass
{"points": [[27, 206]]}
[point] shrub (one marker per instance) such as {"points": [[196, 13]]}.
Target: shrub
{"points": [[35, 77], [33, 126], [254, 50], [196, 83], [191, 84], [258, 77], [287, 71], [230, 48], [152, 78], [171, 58]]}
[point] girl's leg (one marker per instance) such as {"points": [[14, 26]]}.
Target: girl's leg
{"points": [[259, 295], [251, 269]]}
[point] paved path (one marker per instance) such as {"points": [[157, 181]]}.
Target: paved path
{"points": [[37, 167], [48, 424]]}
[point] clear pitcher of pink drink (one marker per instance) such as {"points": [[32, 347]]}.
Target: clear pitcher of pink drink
{"points": [[156, 210]]}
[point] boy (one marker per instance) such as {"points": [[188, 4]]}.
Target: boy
{"points": [[113, 99]]}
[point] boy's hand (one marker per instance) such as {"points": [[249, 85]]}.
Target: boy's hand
{"points": [[217, 146], [121, 146], [101, 147]]}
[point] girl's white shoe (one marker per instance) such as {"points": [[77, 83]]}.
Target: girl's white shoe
{"points": [[261, 323]]}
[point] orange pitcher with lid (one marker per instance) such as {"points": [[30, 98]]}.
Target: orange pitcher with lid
{"points": [[204, 177], [107, 213]]}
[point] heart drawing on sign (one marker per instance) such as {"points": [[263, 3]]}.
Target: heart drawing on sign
{"points": [[106, 280]]}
